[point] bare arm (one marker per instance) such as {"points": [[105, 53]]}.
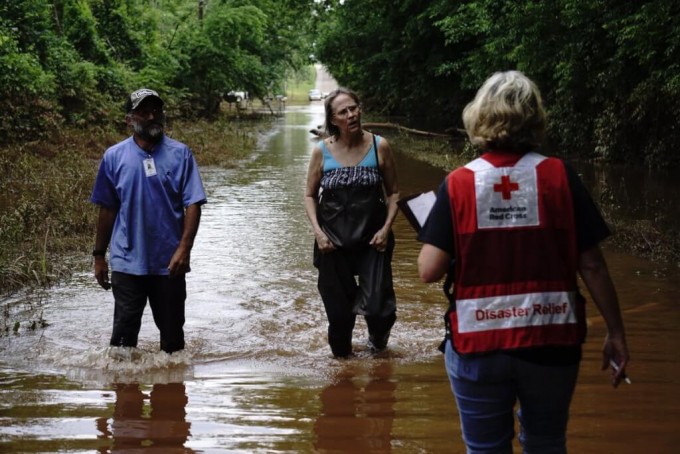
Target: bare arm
{"points": [[433, 263], [105, 221], [389, 174], [593, 270], [180, 262], [314, 173]]}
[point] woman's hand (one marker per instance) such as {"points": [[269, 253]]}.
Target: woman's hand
{"points": [[325, 244], [379, 240], [616, 351]]}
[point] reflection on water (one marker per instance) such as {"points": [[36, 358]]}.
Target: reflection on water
{"points": [[156, 419], [257, 374], [357, 411]]}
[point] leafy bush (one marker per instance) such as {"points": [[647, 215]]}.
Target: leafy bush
{"points": [[27, 106]]}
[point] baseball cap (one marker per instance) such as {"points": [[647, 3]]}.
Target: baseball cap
{"points": [[136, 97]]}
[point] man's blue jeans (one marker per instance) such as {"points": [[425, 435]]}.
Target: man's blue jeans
{"points": [[486, 389]]}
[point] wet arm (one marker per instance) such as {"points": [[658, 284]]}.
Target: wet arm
{"points": [[433, 263], [105, 221], [181, 259], [312, 188], [389, 172], [314, 173], [593, 270], [389, 175]]}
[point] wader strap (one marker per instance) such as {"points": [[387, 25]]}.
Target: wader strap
{"points": [[377, 158]]}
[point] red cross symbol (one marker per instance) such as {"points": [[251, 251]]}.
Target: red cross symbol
{"points": [[506, 187]]}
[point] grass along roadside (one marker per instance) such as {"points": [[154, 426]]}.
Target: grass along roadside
{"points": [[46, 220]]}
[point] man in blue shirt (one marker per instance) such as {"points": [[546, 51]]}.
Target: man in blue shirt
{"points": [[149, 193]]}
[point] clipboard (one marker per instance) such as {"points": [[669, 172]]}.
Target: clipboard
{"points": [[417, 207]]}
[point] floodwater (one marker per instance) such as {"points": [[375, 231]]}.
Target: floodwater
{"points": [[257, 375]]}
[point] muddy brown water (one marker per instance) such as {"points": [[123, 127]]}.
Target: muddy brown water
{"points": [[257, 375]]}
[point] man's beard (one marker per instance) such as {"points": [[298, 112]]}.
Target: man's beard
{"points": [[151, 132]]}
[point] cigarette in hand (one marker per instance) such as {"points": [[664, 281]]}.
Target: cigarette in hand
{"points": [[616, 369]]}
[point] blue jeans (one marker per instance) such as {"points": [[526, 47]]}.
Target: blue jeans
{"points": [[486, 389]]}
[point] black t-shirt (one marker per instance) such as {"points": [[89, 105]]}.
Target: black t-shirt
{"points": [[591, 229]]}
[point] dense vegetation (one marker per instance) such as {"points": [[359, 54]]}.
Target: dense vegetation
{"points": [[66, 62], [609, 70]]}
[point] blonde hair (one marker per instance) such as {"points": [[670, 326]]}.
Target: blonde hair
{"points": [[507, 112]]}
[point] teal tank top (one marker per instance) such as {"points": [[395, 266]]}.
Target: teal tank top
{"points": [[329, 162]]}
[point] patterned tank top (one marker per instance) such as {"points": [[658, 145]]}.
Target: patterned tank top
{"points": [[366, 173]]}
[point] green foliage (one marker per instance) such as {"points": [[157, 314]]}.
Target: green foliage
{"points": [[27, 107], [298, 84], [221, 53], [239, 45], [79, 26], [117, 22], [608, 69], [30, 23], [74, 61]]}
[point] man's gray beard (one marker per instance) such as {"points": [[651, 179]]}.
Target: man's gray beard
{"points": [[153, 133]]}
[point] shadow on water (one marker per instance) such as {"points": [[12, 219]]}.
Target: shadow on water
{"points": [[257, 374]]}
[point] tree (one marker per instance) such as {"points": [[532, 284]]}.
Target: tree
{"points": [[608, 69], [27, 91], [74, 61], [241, 45], [218, 55]]}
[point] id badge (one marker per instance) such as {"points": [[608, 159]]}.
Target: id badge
{"points": [[149, 167]]}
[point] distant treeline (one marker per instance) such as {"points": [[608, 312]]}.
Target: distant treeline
{"points": [[72, 62], [609, 70]]}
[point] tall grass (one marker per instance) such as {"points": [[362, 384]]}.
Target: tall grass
{"points": [[299, 84], [43, 214], [223, 142], [436, 151]]}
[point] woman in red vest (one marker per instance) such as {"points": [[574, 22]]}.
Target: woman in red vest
{"points": [[519, 227]]}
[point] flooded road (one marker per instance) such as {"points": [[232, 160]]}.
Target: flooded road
{"points": [[257, 375]]}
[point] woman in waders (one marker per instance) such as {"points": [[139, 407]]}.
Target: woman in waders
{"points": [[351, 202]]}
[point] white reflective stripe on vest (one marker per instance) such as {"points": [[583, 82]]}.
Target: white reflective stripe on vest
{"points": [[516, 311]]}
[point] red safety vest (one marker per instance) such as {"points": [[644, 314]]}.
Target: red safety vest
{"points": [[516, 255]]}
